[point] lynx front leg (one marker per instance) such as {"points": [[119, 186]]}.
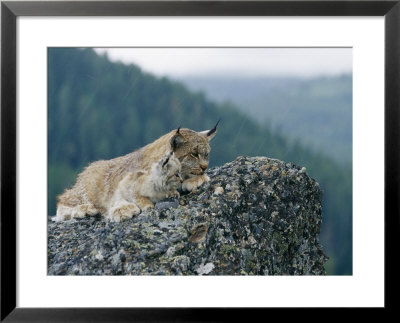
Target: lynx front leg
{"points": [[123, 210]]}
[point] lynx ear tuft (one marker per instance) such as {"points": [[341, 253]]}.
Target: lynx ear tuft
{"points": [[209, 134], [177, 140]]}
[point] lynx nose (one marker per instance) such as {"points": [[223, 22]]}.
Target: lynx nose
{"points": [[203, 167]]}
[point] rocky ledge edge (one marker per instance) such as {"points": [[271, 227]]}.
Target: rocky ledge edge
{"points": [[256, 216]]}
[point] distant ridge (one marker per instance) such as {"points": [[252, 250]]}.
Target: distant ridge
{"points": [[316, 111]]}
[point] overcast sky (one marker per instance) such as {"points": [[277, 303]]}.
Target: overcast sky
{"points": [[176, 62]]}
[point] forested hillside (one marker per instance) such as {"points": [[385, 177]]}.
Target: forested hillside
{"points": [[99, 110], [317, 111]]}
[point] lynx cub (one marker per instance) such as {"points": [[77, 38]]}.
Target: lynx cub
{"points": [[135, 190], [121, 187]]}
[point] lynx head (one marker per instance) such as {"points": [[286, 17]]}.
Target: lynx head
{"points": [[170, 171], [192, 149]]}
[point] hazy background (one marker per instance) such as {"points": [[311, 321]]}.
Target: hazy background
{"points": [[294, 104], [251, 62]]}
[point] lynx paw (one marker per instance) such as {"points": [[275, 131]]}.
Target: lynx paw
{"points": [[173, 194], [125, 211], [192, 184], [63, 213], [66, 212], [147, 207], [144, 203], [84, 209]]}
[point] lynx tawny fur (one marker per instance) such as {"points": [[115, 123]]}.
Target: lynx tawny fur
{"points": [[123, 187]]}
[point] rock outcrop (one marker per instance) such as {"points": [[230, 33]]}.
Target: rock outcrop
{"points": [[256, 216]]}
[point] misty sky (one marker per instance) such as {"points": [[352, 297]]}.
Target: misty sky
{"points": [[176, 62]]}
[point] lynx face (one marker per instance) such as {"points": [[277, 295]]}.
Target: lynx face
{"points": [[194, 157], [193, 150], [170, 173]]}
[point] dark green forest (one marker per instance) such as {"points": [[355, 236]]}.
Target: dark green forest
{"points": [[98, 109]]}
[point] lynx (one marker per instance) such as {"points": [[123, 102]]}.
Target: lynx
{"points": [[124, 186]]}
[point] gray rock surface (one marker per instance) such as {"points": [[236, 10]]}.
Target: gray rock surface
{"points": [[256, 216]]}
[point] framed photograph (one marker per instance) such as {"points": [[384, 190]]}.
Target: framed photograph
{"points": [[292, 204]]}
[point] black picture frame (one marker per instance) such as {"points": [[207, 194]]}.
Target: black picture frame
{"points": [[10, 10]]}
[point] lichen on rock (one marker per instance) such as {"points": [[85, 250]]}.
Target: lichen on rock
{"points": [[256, 216]]}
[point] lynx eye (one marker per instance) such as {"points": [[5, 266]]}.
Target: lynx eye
{"points": [[177, 174], [195, 155]]}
